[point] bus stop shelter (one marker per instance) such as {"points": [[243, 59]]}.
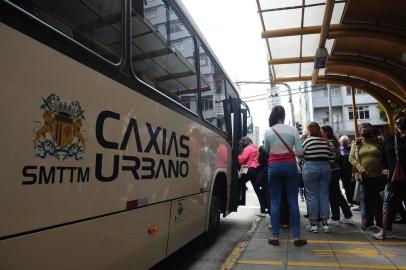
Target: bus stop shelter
{"points": [[365, 41]]}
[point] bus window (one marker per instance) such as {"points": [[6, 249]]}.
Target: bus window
{"points": [[212, 91], [231, 93], [94, 24], [163, 51]]}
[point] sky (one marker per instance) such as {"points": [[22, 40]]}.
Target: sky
{"points": [[233, 30]]}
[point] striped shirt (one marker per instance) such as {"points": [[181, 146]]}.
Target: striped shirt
{"points": [[276, 149], [317, 149]]}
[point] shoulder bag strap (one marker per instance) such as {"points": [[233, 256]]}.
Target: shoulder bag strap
{"points": [[396, 148], [284, 143], [357, 146]]}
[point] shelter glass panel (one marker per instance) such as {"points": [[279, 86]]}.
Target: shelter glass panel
{"points": [[282, 19], [337, 13], [284, 47], [310, 44], [164, 51], [307, 69], [329, 45], [313, 15], [310, 2], [286, 70], [271, 4]]}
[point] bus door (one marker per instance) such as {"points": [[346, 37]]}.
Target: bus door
{"points": [[236, 124]]}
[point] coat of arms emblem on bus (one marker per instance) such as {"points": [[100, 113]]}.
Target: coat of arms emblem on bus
{"points": [[60, 133]]}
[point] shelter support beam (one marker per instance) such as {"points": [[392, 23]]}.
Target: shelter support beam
{"points": [[292, 79], [293, 60], [389, 71], [291, 32], [328, 13], [344, 30], [383, 70]]}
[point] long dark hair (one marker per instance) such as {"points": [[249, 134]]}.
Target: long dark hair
{"points": [[277, 114], [328, 131]]}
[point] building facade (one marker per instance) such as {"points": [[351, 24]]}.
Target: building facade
{"points": [[342, 111], [254, 136]]}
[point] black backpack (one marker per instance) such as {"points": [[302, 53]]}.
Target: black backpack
{"points": [[262, 157]]}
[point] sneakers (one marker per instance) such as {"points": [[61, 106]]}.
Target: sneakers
{"points": [[368, 227], [399, 221], [325, 228], [261, 215], [356, 208], [347, 221], [312, 228], [333, 222], [300, 242], [383, 235]]}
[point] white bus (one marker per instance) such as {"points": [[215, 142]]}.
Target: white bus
{"points": [[119, 134]]}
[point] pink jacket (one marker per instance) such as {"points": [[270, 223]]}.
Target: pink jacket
{"points": [[249, 156]]}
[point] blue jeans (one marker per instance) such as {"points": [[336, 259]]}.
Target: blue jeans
{"points": [[316, 178], [284, 175]]}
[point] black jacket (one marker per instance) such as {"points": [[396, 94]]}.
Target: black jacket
{"points": [[388, 152]]}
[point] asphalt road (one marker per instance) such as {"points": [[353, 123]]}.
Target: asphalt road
{"points": [[234, 229]]}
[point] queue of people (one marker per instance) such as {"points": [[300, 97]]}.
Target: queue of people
{"points": [[366, 169]]}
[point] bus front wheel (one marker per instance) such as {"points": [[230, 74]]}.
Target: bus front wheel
{"points": [[214, 220]]}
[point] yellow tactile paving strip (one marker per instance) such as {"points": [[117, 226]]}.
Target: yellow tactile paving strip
{"points": [[353, 252], [376, 243], [322, 264]]}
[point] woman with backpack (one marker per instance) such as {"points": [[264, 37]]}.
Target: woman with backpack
{"points": [[336, 197], [262, 180]]}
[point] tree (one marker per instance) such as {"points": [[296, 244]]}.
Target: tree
{"points": [[392, 105]]}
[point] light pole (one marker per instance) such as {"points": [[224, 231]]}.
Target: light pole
{"points": [[292, 109]]}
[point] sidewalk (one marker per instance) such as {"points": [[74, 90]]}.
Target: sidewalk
{"points": [[345, 247]]}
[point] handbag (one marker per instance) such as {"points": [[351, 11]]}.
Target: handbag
{"points": [[244, 169], [386, 195], [399, 175], [357, 191]]}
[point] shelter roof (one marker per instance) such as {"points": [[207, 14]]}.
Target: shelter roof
{"points": [[365, 40]]}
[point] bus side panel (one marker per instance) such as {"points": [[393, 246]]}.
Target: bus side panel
{"points": [[215, 158], [118, 241], [187, 220], [58, 167]]}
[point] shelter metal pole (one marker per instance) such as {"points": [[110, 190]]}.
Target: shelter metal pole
{"points": [[355, 113], [330, 107], [292, 109]]}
